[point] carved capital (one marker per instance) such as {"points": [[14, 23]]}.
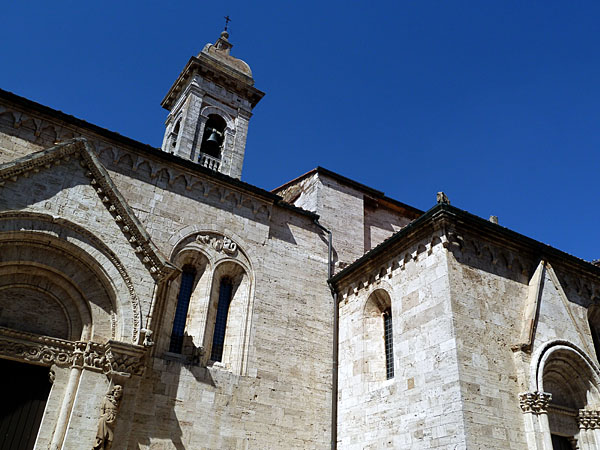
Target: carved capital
{"points": [[534, 402], [588, 420]]}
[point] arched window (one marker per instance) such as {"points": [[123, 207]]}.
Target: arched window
{"points": [[173, 137], [183, 302], [378, 340], [213, 137], [225, 291], [226, 319]]}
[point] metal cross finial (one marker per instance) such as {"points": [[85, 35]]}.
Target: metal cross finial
{"points": [[227, 20]]}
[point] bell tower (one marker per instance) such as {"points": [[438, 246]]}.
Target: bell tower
{"points": [[210, 105]]}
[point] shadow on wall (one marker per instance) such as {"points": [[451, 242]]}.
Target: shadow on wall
{"points": [[162, 394]]}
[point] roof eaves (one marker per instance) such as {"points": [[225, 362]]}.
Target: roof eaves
{"points": [[544, 250], [148, 149]]}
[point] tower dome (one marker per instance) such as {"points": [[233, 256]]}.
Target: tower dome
{"points": [[220, 52]]}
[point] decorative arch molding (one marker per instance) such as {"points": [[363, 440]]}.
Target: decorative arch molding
{"points": [[379, 285], [564, 397], [543, 354], [210, 109], [72, 241], [213, 243]]}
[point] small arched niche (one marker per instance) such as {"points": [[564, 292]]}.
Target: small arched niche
{"points": [[378, 347], [227, 316]]}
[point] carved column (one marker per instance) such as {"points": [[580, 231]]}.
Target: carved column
{"points": [[535, 408], [69, 396]]}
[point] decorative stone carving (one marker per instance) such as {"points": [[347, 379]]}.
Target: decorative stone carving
{"points": [[109, 411], [147, 334], [534, 402], [442, 198], [224, 244], [588, 420], [112, 358]]}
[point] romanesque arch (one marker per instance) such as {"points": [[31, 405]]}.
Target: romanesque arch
{"points": [[378, 358], [563, 406]]}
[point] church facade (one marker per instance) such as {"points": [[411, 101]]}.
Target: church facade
{"points": [[150, 299]]}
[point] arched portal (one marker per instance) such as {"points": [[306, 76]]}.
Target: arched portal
{"points": [[569, 380]]}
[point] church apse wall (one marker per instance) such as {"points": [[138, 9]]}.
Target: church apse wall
{"points": [[420, 397]]}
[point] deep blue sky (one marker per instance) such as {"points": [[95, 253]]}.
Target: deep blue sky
{"points": [[497, 103]]}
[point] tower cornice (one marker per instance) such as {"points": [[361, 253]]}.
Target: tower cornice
{"points": [[218, 73]]}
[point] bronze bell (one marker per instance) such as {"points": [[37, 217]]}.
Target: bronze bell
{"points": [[215, 137]]}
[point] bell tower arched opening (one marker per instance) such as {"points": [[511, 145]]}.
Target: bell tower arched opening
{"points": [[212, 140]]}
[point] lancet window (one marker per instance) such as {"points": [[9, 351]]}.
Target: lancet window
{"points": [[183, 302], [388, 338], [225, 291]]}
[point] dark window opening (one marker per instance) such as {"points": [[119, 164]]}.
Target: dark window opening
{"points": [[214, 134], [183, 302], [596, 340], [174, 136], [225, 292], [388, 337], [562, 442]]}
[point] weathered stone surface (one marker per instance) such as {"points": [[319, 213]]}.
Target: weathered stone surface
{"points": [[493, 339]]}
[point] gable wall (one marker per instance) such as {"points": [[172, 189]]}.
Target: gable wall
{"points": [[284, 398]]}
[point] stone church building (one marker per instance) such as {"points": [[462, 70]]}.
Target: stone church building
{"points": [[150, 299]]}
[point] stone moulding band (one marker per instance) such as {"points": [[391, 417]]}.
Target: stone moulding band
{"points": [[112, 358]]}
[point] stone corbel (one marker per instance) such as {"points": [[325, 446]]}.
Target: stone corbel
{"points": [[534, 402]]}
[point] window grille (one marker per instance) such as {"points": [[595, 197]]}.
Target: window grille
{"points": [[183, 303], [389, 343], [225, 291]]}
